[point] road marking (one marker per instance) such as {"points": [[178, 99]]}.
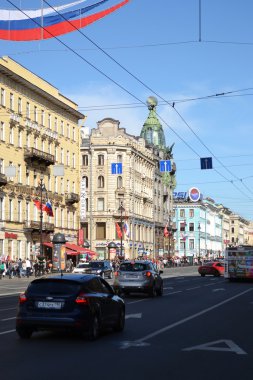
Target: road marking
{"points": [[137, 316], [232, 347], [10, 308], [178, 323], [170, 287], [210, 284], [7, 319], [7, 332], [218, 290], [179, 291], [143, 299], [196, 287]]}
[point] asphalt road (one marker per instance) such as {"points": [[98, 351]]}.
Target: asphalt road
{"points": [[200, 329]]}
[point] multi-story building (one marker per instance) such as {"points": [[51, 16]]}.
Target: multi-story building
{"points": [[38, 132], [124, 185]]}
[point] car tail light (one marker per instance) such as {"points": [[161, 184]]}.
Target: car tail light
{"points": [[22, 298], [116, 274], [148, 274], [81, 299]]}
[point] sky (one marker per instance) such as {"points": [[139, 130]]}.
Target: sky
{"points": [[196, 54]]}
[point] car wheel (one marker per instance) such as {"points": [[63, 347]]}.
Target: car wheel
{"points": [[110, 275], [202, 274], [159, 292], [216, 273], [94, 329], [152, 292], [120, 324], [24, 333]]}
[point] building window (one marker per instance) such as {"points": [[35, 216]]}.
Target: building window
{"points": [[87, 204], [67, 185], [100, 231], [119, 158], [101, 182], [11, 102], [19, 138], [191, 213], [182, 244], [100, 204], [27, 111], [55, 184], [55, 124], [19, 106], [35, 114], [67, 158], [68, 130], [19, 249], [85, 160], [61, 221], [232, 230], [101, 160], [19, 174], [68, 219], [74, 133], [42, 117], [2, 100], [182, 213], [2, 131], [11, 137], [49, 121], [62, 128], [19, 211], [182, 226], [1, 208], [191, 243], [62, 186], [85, 178], [10, 210], [119, 182], [191, 227], [1, 166], [73, 186], [62, 156], [73, 160]]}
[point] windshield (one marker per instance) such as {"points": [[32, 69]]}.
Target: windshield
{"points": [[59, 287], [133, 267], [83, 265]]}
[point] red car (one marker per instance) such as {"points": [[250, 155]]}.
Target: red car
{"points": [[214, 268]]}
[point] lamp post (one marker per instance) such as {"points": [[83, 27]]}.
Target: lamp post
{"points": [[199, 240], [121, 209], [41, 188]]}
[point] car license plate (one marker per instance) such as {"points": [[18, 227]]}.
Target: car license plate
{"points": [[131, 276], [49, 305]]}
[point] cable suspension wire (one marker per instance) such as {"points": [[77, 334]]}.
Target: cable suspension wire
{"points": [[124, 89]]}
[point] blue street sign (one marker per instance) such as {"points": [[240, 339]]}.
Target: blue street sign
{"points": [[206, 163], [165, 166], [117, 168]]}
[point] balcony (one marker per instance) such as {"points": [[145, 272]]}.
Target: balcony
{"points": [[72, 198], [15, 118], [32, 225], [33, 154], [3, 179]]}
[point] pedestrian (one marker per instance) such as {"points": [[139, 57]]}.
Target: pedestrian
{"points": [[20, 266], [28, 267]]}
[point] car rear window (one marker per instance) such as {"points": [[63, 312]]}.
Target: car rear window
{"points": [[54, 288], [95, 264], [86, 265], [133, 267]]}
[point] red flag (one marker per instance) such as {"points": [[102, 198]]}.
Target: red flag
{"points": [[119, 232], [37, 204], [165, 231]]}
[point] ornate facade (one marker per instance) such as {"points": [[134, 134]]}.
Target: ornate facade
{"points": [[38, 131]]}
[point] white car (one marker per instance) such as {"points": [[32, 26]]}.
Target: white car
{"points": [[80, 268]]}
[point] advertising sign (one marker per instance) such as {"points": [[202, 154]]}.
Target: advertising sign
{"points": [[194, 194]]}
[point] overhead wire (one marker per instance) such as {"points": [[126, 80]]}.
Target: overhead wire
{"points": [[131, 94]]}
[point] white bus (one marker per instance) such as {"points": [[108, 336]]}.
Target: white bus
{"points": [[239, 262]]}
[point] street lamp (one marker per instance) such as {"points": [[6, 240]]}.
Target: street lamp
{"points": [[42, 190], [121, 209]]}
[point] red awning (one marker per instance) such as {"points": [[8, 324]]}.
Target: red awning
{"points": [[80, 250], [70, 252], [48, 244]]}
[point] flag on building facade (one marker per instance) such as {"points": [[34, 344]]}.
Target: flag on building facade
{"points": [[126, 229], [119, 232], [48, 209], [24, 25], [165, 231], [38, 204]]}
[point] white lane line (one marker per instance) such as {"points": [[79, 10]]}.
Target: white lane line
{"points": [[137, 315], [211, 284], [7, 332], [7, 319], [169, 327], [143, 299], [10, 308], [196, 287], [179, 291], [170, 287]]}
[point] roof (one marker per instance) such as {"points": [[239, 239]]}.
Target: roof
{"points": [[69, 277]]}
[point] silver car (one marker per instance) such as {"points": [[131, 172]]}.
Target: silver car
{"points": [[139, 276]]}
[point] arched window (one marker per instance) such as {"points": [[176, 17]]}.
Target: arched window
{"points": [[101, 160], [101, 182], [85, 178]]}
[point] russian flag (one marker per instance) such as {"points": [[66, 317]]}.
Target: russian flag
{"points": [[27, 28], [126, 229], [48, 209]]}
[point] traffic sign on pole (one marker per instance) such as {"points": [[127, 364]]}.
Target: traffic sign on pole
{"points": [[117, 168], [165, 166], [206, 163]]}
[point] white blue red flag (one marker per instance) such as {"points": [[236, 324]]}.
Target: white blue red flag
{"points": [[44, 23], [126, 229], [48, 209]]}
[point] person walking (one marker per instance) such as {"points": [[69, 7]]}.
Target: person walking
{"points": [[28, 267]]}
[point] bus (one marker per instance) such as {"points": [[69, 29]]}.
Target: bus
{"points": [[239, 262]]}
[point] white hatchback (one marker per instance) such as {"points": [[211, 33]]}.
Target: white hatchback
{"points": [[80, 268]]}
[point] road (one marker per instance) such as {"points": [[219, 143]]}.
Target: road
{"points": [[200, 329]]}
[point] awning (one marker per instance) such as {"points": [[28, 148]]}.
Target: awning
{"points": [[70, 252], [80, 250], [48, 244]]}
